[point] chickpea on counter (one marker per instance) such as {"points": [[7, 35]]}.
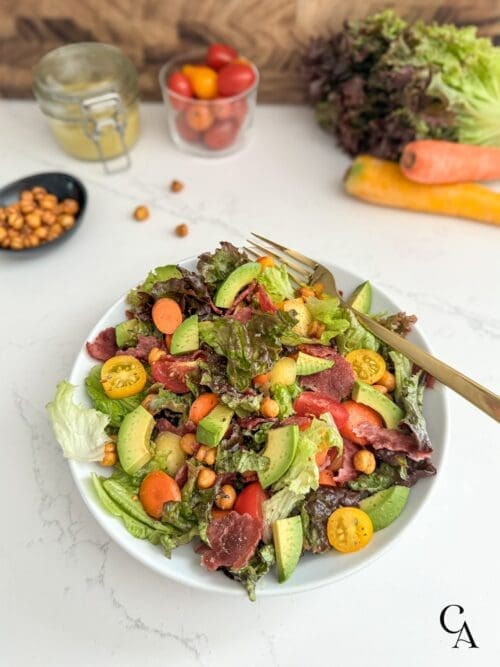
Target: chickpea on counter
{"points": [[37, 218]]}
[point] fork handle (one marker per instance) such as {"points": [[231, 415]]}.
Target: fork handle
{"points": [[473, 392]]}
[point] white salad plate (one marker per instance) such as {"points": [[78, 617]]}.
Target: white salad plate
{"points": [[312, 571]]}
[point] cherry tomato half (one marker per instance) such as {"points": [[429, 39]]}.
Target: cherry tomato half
{"points": [[315, 403], [179, 83], [123, 376], [349, 529], [185, 130], [199, 117], [250, 500], [219, 55], [368, 365], [221, 135], [235, 78]]}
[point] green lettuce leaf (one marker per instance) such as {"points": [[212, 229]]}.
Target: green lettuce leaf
{"points": [[251, 348], [160, 274], [167, 400], [259, 565], [303, 474], [115, 408], [279, 506], [355, 337], [382, 478], [409, 394], [240, 461], [214, 267], [329, 312], [80, 431], [276, 282], [285, 396]]}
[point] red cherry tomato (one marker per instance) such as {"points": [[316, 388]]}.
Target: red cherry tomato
{"points": [[315, 403], [185, 130], [222, 110], [219, 55], [221, 135], [239, 110], [250, 500], [199, 117], [179, 83], [234, 79]]}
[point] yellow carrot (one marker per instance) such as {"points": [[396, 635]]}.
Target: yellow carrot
{"points": [[382, 182]]}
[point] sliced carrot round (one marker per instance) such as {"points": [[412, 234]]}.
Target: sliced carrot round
{"points": [[157, 488], [358, 413], [200, 408], [166, 315]]}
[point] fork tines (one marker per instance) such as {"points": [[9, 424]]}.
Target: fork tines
{"points": [[285, 255]]}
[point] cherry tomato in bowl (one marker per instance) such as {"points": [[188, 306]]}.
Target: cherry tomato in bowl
{"points": [[235, 78], [199, 117], [221, 134], [179, 84], [185, 131], [219, 55]]}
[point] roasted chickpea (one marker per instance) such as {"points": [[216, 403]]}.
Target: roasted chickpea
{"points": [[188, 443], [48, 217], [316, 329], [3, 234], [380, 388], [210, 456], [388, 381], [306, 292], [226, 497], [269, 408], [48, 202], [364, 461], [3, 215], [33, 220], [26, 195], [65, 220], [266, 262], [318, 288], [70, 206], [57, 229], [27, 207], [141, 213], [176, 186], [41, 232], [15, 220], [110, 457], [201, 453], [38, 191], [182, 230], [34, 240], [206, 478], [12, 208]]}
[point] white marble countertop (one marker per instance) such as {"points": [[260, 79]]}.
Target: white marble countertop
{"points": [[68, 595]]}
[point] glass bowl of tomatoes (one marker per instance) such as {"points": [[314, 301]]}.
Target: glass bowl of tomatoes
{"points": [[210, 97]]}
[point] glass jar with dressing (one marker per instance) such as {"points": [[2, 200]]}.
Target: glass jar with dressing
{"points": [[89, 94]]}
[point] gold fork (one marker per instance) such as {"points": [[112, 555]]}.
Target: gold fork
{"points": [[306, 271]]}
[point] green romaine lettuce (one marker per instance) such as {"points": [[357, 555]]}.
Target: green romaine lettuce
{"points": [[240, 461], [355, 337], [409, 394], [115, 408], [278, 506], [167, 400], [384, 476], [80, 431], [329, 312], [285, 396], [276, 281]]}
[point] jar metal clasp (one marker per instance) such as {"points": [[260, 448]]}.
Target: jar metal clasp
{"points": [[100, 113]]}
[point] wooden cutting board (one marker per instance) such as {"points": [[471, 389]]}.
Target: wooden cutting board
{"points": [[270, 32]]}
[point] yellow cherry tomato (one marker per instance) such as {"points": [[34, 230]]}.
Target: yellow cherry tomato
{"points": [[123, 376], [203, 81], [368, 365], [349, 529]]}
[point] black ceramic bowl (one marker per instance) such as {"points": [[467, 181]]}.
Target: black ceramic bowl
{"points": [[63, 186]]}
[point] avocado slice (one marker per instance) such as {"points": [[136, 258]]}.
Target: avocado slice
{"points": [[235, 282], [385, 506], [387, 409], [361, 298], [133, 439], [169, 444], [127, 332], [308, 365], [288, 540], [212, 428], [280, 450], [186, 337]]}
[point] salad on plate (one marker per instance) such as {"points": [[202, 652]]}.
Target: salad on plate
{"points": [[249, 415]]}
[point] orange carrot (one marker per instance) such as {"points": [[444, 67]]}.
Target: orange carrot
{"points": [[326, 478], [200, 407], [356, 414], [166, 315], [321, 457], [382, 182], [448, 162], [168, 341], [156, 489], [262, 379]]}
